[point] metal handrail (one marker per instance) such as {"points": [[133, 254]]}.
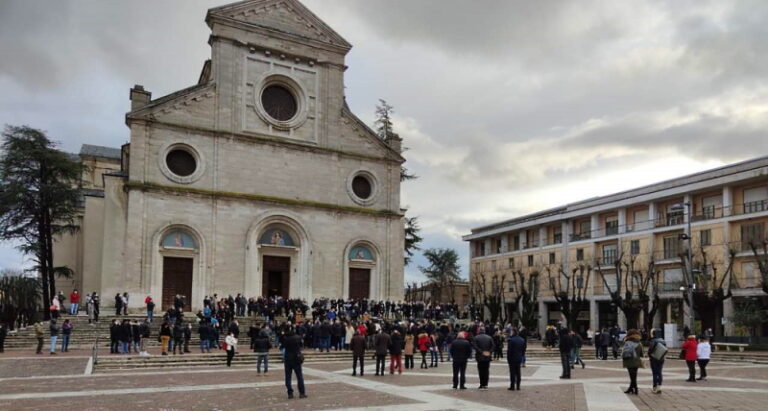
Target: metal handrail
{"points": [[95, 351]]}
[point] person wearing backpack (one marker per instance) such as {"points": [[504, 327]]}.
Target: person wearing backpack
{"points": [[657, 352], [632, 358]]}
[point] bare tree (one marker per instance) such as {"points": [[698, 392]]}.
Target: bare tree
{"points": [[526, 296], [760, 250], [635, 291], [710, 290], [570, 294], [491, 297]]}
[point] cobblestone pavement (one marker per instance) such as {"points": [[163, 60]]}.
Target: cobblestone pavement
{"points": [[35, 382]]}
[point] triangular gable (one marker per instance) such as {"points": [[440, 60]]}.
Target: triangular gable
{"points": [[360, 130], [287, 16]]}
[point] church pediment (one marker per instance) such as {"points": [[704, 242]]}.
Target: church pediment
{"points": [[286, 16]]}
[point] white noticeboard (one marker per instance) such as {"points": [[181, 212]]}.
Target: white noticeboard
{"points": [[670, 335]]}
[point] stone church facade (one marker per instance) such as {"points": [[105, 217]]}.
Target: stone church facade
{"points": [[257, 179]]}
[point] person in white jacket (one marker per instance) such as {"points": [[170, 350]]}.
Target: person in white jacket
{"points": [[703, 352], [231, 342]]}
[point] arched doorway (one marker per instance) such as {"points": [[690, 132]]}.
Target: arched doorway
{"points": [[278, 257], [361, 271], [277, 250], [178, 252]]}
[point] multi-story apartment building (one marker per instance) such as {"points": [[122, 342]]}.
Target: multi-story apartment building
{"points": [[727, 208]]}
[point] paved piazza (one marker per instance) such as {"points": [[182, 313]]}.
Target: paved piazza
{"points": [[34, 383]]}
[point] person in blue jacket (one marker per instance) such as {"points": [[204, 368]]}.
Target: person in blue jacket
{"points": [[516, 346]]}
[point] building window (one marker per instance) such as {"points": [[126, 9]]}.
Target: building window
{"points": [[530, 261], [585, 228], [755, 199], [498, 245], [610, 254], [752, 234], [673, 279], [634, 247], [516, 242], [751, 275], [705, 237], [671, 247], [611, 226], [579, 254], [551, 258], [481, 248], [557, 235], [511, 263]]}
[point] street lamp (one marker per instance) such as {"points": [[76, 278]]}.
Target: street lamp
{"points": [[686, 207]]}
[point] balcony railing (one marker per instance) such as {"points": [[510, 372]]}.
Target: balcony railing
{"points": [[609, 258], [671, 286], [672, 252], [755, 206]]}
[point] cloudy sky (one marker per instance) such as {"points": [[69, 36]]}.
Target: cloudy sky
{"points": [[507, 107]]}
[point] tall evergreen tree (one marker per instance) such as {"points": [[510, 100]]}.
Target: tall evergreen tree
{"points": [[412, 238], [443, 264], [39, 199], [384, 130]]}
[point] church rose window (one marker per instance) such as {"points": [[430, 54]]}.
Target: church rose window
{"points": [[361, 186], [181, 162], [279, 102]]}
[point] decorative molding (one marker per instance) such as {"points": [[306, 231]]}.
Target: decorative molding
{"points": [[144, 186]]}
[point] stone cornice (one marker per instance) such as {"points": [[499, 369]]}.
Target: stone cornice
{"points": [[260, 138], [144, 186]]}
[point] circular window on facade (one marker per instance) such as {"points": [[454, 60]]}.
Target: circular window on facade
{"points": [[181, 162], [279, 102], [362, 187]]}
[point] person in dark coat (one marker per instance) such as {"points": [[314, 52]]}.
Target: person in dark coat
{"points": [[261, 348], [204, 330], [357, 345], [484, 347], [605, 341], [516, 346], [292, 363], [566, 345], [325, 336], [381, 345], [125, 337], [114, 337], [460, 350], [178, 338], [396, 344]]}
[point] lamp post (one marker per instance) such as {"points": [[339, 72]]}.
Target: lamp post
{"points": [[686, 207]]}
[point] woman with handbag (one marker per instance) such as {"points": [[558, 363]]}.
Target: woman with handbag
{"points": [[231, 343], [690, 357]]}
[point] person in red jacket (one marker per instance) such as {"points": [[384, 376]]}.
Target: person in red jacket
{"points": [[690, 346], [423, 343], [74, 302]]}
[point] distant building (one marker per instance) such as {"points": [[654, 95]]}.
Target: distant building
{"points": [[448, 292], [258, 179], [729, 209]]}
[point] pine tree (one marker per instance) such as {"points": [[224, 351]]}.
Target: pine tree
{"points": [[39, 199]]}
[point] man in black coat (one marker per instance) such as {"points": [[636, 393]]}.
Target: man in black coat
{"points": [[396, 344], [292, 362], [381, 344], [357, 345], [516, 346], [566, 345], [460, 351], [483, 349]]}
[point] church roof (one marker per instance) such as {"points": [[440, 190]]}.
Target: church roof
{"points": [[286, 16], [100, 151]]}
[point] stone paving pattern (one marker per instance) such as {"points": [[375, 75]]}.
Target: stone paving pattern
{"points": [[32, 382]]}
